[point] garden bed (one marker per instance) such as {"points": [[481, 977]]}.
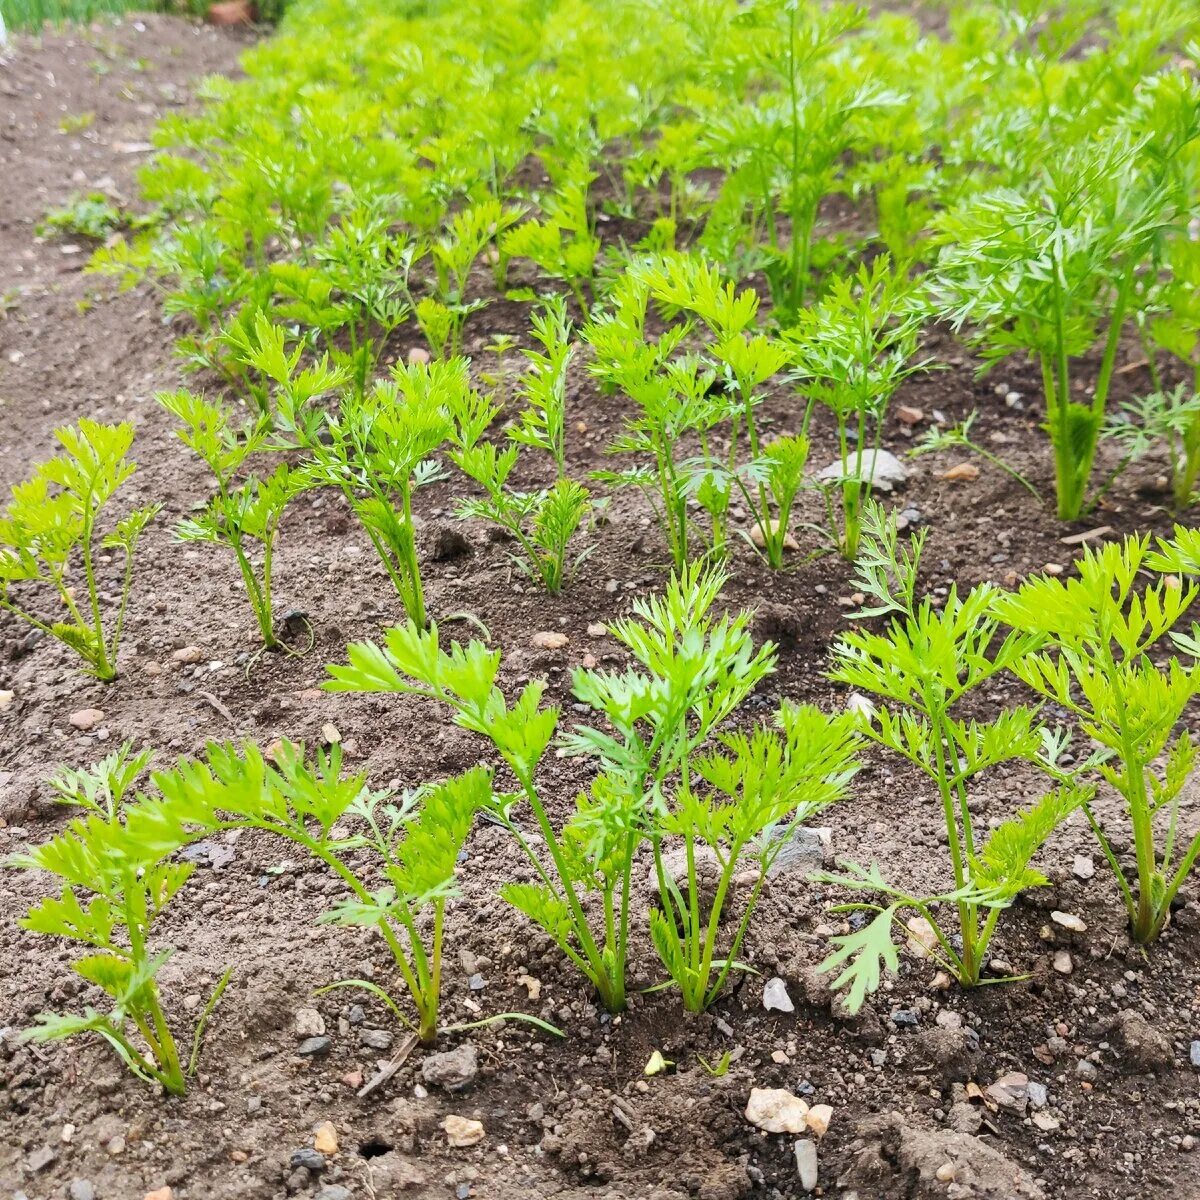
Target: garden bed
{"points": [[1117, 1110]]}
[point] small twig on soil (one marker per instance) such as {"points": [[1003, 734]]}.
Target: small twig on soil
{"points": [[208, 696], [390, 1067]]}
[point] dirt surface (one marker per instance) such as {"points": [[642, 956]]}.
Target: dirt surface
{"points": [[571, 1118]]}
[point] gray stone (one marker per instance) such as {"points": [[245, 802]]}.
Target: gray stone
{"points": [[375, 1039], [776, 998], [333, 1191], [40, 1159], [1011, 1091], [1036, 1094], [309, 1023], [452, 1069], [805, 849], [81, 1189], [1086, 1070], [308, 1158], [314, 1047], [882, 469], [806, 1163], [1195, 1052]]}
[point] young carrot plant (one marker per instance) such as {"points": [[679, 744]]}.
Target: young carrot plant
{"points": [[851, 351], [787, 137], [922, 668], [101, 788], [693, 671], [50, 529], [743, 802], [413, 841], [1041, 272], [676, 401], [1100, 632], [563, 243], [771, 477], [542, 522], [377, 450], [114, 887], [1166, 420], [246, 510], [469, 234]]}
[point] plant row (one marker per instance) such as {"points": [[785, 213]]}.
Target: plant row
{"points": [[674, 765], [360, 192]]}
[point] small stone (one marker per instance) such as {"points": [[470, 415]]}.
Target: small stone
{"points": [[597, 629], [309, 1023], [1010, 1091], [1052, 568], [325, 1138], [82, 1189], [1086, 1070], [86, 718], [922, 938], [819, 1117], [1036, 1093], [1195, 1054], [452, 1069], [1083, 867], [330, 736], [1046, 1122], [314, 1047], [418, 354], [1063, 963], [40, 1159], [549, 639], [531, 985], [375, 1039], [1088, 535], [908, 415], [162, 1193], [776, 1110], [462, 1131], [776, 998], [308, 1158], [906, 1018], [6, 698], [880, 468], [188, 654], [946, 1173], [758, 535], [963, 472], [334, 1191], [1068, 921], [806, 1163]]}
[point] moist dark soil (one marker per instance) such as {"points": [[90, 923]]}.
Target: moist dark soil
{"points": [[575, 1117]]}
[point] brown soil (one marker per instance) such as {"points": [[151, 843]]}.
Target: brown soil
{"points": [[570, 1118]]}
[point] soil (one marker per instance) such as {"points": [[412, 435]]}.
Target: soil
{"points": [[568, 1118]]}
